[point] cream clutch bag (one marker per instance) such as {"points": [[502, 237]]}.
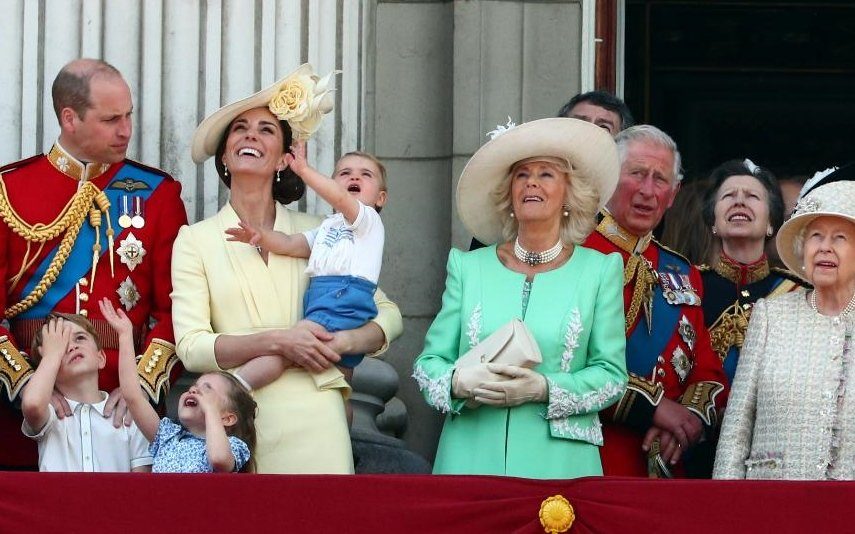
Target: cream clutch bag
{"points": [[511, 344]]}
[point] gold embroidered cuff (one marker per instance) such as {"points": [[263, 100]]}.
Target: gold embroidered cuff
{"points": [[154, 368], [15, 370], [637, 386], [699, 398]]}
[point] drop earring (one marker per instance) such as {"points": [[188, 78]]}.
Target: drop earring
{"points": [[225, 171], [714, 232], [566, 211], [278, 175]]}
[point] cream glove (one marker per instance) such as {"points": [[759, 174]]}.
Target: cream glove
{"points": [[520, 385], [465, 379]]}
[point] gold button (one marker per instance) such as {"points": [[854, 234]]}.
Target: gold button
{"points": [[84, 297], [661, 372], [84, 313], [83, 282]]}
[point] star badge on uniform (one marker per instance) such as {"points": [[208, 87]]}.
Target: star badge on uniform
{"points": [[129, 295], [131, 251]]}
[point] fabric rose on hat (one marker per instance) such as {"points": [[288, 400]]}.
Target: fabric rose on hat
{"points": [[302, 100]]}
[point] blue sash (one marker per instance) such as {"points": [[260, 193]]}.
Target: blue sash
{"points": [[79, 261], [643, 348]]}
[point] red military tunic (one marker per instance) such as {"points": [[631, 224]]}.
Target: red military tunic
{"points": [[51, 192], [672, 359]]}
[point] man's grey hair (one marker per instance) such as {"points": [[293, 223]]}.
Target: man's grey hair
{"points": [[650, 134]]}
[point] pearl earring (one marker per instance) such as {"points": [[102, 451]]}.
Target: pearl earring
{"points": [[225, 171], [714, 231], [566, 212], [512, 215], [278, 175]]}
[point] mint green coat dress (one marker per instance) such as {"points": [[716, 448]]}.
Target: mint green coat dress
{"points": [[575, 313]]}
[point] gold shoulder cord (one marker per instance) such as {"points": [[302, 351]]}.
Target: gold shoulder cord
{"points": [[642, 293], [69, 221]]}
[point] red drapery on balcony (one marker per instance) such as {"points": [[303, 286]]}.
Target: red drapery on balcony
{"points": [[129, 503]]}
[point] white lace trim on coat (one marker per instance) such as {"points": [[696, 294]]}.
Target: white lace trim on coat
{"points": [[438, 390], [571, 339], [473, 329], [563, 403], [590, 434]]}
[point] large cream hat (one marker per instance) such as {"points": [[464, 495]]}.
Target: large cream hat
{"points": [[826, 194], [301, 98], [588, 148]]}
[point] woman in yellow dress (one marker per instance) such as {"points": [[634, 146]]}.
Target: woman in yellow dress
{"points": [[232, 302]]}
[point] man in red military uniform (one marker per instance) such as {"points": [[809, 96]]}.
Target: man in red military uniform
{"points": [[79, 224], [677, 386]]}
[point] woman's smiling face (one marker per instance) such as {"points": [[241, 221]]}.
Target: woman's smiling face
{"points": [[254, 144]]}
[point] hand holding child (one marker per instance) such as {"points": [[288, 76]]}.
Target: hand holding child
{"points": [[117, 318]]}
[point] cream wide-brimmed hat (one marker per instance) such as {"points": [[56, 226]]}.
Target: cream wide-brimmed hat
{"points": [[588, 148], [301, 98], [829, 193]]}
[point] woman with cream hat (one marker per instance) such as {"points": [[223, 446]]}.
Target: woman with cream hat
{"points": [[791, 413], [533, 191], [233, 302]]}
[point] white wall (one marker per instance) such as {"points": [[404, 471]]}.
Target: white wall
{"points": [[182, 59]]}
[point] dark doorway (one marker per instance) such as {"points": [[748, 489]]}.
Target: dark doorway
{"points": [[773, 81]]}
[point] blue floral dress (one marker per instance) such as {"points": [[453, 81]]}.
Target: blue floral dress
{"points": [[175, 450]]}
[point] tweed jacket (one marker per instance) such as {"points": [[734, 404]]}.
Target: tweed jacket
{"points": [[790, 415]]}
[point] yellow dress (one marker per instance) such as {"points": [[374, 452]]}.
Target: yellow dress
{"points": [[222, 287]]}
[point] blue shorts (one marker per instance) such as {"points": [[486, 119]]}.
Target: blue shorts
{"points": [[340, 303]]}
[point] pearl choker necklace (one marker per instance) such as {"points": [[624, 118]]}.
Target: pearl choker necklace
{"points": [[847, 311], [537, 258]]}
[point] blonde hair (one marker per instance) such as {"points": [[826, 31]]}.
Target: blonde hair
{"points": [[581, 200], [373, 159]]}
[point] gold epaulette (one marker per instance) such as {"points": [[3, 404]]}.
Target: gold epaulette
{"points": [[15, 370], [637, 386], [154, 368], [674, 252], [699, 398]]}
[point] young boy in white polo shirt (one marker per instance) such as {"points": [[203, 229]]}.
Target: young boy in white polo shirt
{"points": [[69, 356]]}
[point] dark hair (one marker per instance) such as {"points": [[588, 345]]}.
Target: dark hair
{"points": [[245, 410], [735, 167], [79, 320], [286, 189], [71, 86], [605, 100], [683, 225]]}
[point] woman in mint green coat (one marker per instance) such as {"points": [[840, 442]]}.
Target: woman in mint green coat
{"points": [[535, 189]]}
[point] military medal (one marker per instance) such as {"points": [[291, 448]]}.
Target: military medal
{"points": [[677, 289], [687, 332], [681, 363], [128, 293], [137, 221], [131, 251], [125, 217]]}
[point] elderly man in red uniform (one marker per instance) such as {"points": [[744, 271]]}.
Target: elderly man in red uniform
{"points": [[677, 386], [81, 223]]}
